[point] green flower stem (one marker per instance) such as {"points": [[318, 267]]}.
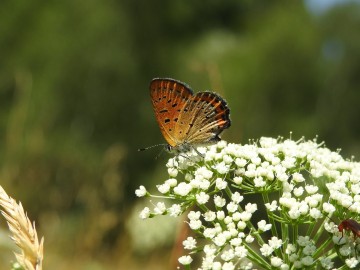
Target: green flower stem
{"points": [[272, 221], [255, 257], [323, 246], [319, 231]]}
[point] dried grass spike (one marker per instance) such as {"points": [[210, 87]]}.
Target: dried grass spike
{"points": [[23, 233]]}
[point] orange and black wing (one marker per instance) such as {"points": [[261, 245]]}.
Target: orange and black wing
{"points": [[168, 98], [206, 115]]}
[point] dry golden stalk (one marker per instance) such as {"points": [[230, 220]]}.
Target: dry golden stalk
{"points": [[23, 233]]}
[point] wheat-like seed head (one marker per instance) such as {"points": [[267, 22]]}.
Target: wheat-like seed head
{"points": [[23, 233]]}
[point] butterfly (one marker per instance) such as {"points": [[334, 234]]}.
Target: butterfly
{"points": [[187, 120]]}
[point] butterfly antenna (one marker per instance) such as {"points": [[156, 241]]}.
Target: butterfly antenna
{"points": [[149, 147]]}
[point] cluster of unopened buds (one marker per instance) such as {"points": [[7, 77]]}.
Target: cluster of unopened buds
{"points": [[269, 204]]}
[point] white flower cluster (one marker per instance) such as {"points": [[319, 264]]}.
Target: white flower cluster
{"points": [[306, 182]]}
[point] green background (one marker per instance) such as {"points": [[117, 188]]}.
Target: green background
{"points": [[75, 106]]}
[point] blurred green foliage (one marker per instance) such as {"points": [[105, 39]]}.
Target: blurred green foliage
{"points": [[75, 105]]}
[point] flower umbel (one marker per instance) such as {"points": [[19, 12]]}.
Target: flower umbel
{"points": [[252, 204]]}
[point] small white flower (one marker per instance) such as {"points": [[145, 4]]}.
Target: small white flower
{"points": [[218, 228], [313, 200], [276, 261], [220, 215], [311, 189], [189, 177], [232, 207], [141, 191], [215, 266], [288, 162], [160, 208], [164, 188], [293, 257], [236, 241], [275, 242], [331, 227], [194, 215], [241, 225], [326, 263], [241, 252], [294, 213], [308, 260], [204, 184], [271, 207], [195, 224], [172, 182], [227, 255], [238, 180], [204, 172], [266, 250], [315, 213], [222, 168], [249, 239], [287, 202], [182, 189], [245, 216], [290, 248], [236, 216], [145, 213], [345, 250], [303, 208], [298, 265], [172, 162], [173, 172], [240, 162], [256, 160], [329, 208], [228, 221], [221, 144], [175, 210], [189, 243], [209, 216], [210, 250], [228, 266], [220, 184], [227, 159], [352, 262], [236, 197], [209, 233], [202, 198], [275, 161], [251, 207], [303, 241], [185, 260], [267, 142], [219, 240], [298, 191], [219, 201], [309, 250], [298, 177], [263, 226], [259, 182]]}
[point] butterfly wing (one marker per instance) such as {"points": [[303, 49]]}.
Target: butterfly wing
{"points": [[168, 97], [206, 115]]}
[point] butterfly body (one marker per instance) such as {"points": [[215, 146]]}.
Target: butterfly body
{"points": [[187, 120]]}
